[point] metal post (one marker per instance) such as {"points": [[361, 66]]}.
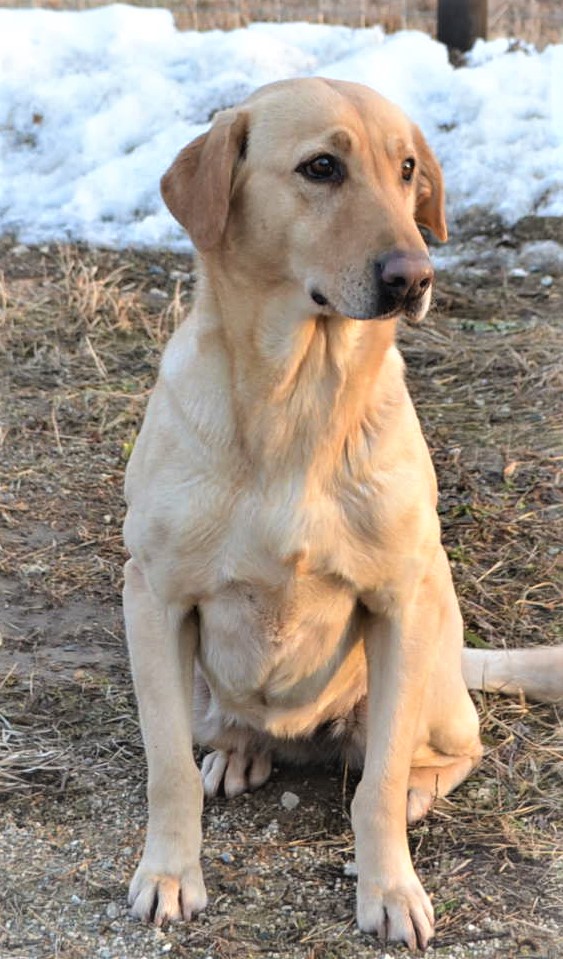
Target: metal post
{"points": [[461, 22]]}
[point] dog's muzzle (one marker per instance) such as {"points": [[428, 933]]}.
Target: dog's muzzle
{"points": [[394, 284]]}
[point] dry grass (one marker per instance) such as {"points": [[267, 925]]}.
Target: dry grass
{"points": [[489, 400], [535, 21], [28, 756], [81, 334]]}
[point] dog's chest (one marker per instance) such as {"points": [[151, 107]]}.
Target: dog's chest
{"points": [[289, 531], [280, 621], [264, 649]]}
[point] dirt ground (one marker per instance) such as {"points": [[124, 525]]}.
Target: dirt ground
{"points": [[80, 338]]}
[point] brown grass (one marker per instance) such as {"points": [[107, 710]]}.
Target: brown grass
{"points": [[535, 21]]}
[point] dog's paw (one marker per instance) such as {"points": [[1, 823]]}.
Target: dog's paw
{"points": [[238, 772], [161, 898], [402, 913], [419, 803]]}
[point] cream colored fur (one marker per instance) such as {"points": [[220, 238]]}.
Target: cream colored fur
{"points": [[287, 591]]}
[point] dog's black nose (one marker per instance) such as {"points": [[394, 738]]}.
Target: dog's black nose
{"points": [[403, 278]]}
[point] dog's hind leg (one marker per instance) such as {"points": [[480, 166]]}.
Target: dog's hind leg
{"points": [[427, 783], [449, 744], [433, 774]]}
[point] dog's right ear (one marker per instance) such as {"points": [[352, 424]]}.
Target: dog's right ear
{"points": [[197, 187]]}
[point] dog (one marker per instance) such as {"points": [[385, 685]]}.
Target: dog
{"points": [[287, 592]]}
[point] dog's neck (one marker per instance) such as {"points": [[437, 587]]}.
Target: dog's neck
{"points": [[304, 385]]}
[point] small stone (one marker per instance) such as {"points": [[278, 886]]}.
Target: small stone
{"points": [[350, 869], [546, 281], [484, 794], [518, 273], [290, 801], [272, 829], [112, 910], [34, 569], [182, 276], [227, 858]]}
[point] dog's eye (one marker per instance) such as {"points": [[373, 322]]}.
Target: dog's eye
{"points": [[324, 167], [407, 170]]}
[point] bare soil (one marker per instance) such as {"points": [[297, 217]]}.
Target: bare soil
{"points": [[80, 337]]}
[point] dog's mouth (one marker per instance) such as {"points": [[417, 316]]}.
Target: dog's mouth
{"points": [[394, 284], [412, 310]]}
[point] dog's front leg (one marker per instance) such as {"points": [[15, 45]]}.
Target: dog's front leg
{"points": [[168, 883], [391, 900]]}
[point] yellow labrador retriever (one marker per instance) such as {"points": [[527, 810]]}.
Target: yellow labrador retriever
{"points": [[288, 592]]}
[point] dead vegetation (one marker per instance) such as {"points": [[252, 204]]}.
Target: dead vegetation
{"points": [[80, 337], [536, 21]]}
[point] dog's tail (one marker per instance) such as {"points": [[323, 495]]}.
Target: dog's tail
{"points": [[536, 672]]}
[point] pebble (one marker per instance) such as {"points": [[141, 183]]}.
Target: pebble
{"points": [[34, 569], [290, 801], [350, 869], [272, 829], [112, 910], [182, 276], [546, 281]]}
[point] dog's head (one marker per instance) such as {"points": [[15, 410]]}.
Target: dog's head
{"points": [[317, 184]]}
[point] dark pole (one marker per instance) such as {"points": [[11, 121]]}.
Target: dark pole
{"points": [[461, 22]]}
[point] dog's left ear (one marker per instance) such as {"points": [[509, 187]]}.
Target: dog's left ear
{"points": [[197, 187], [431, 198]]}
